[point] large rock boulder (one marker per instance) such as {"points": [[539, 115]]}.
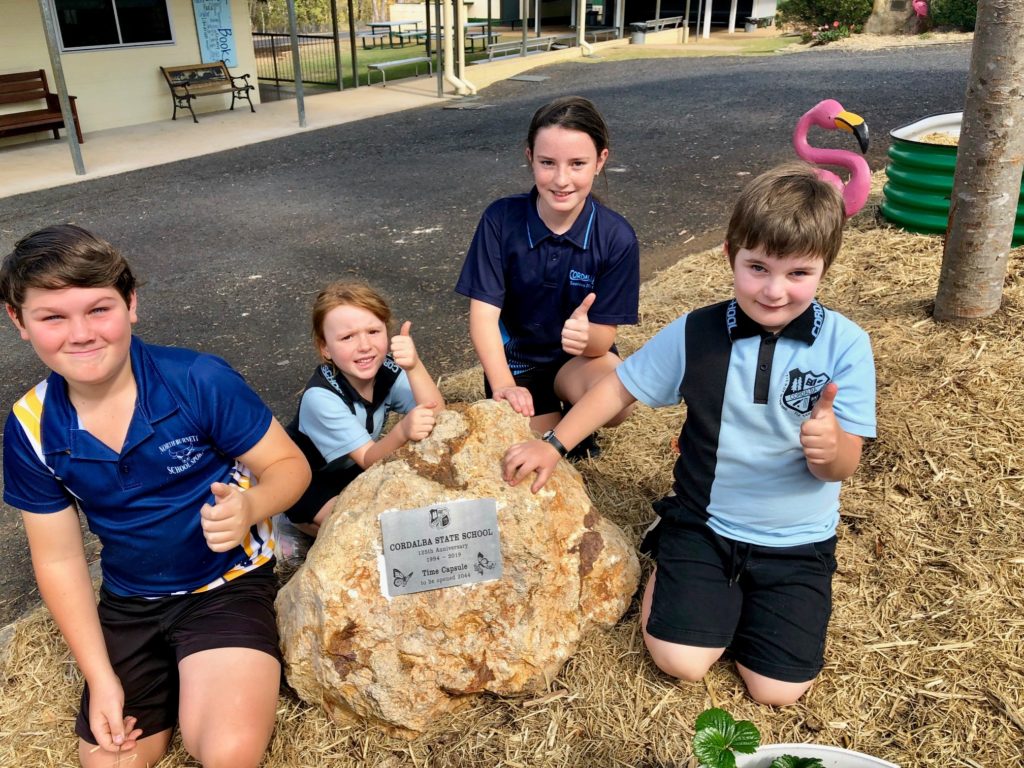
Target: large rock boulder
{"points": [[402, 662], [891, 17]]}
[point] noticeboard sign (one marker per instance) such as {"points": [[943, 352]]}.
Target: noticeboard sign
{"points": [[215, 31]]}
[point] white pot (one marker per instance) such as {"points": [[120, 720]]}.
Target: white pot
{"points": [[948, 122], [831, 757]]}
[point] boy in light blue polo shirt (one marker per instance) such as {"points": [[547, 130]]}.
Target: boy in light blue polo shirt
{"points": [[780, 395]]}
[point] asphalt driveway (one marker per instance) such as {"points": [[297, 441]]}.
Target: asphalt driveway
{"points": [[233, 246]]}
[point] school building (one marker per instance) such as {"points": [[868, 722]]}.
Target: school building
{"points": [[111, 52]]}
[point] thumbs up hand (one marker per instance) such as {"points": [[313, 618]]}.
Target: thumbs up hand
{"points": [[403, 349], [576, 330], [819, 435], [419, 422], [225, 522]]}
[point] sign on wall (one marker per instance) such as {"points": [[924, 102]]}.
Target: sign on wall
{"points": [[216, 33]]}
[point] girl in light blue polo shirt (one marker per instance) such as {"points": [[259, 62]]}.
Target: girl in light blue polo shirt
{"points": [[347, 400]]}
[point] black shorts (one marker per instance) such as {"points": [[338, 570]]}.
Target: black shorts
{"points": [[147, 638], [770, 606], [327, 482], [540, 381]]}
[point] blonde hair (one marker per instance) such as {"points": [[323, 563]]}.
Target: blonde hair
{"points": [[788, 211], [343, 293]]}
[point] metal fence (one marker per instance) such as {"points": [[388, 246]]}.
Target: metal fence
{"points": [[274, 61]]}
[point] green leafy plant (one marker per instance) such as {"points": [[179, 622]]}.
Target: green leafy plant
{"points": [[828, 33], [960, 14], [788, 761], [818, 13], [718, 737]]}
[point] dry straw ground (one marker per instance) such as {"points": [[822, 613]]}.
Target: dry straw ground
{"points": [[926, 648]]}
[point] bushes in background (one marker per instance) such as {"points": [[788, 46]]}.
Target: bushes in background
{"points": [[824, 13], [960, 14]]}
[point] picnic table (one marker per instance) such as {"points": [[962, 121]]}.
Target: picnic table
{"points": [[472, 31], [394, 29]]}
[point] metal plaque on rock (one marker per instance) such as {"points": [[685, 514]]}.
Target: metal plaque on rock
{"points": [[438, 546]]}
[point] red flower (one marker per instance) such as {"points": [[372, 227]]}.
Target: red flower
{"points": [[835, 24]]}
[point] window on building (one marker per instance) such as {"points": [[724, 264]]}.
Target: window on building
{"points": [[100, 23]]}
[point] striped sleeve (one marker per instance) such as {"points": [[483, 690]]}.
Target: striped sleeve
{"points": [[29, 484]]}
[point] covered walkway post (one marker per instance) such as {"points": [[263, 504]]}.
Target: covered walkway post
{"points": [[352, 44], [300, 100], [337, 43], [50, 29]]}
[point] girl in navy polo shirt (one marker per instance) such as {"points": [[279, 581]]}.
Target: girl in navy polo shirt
{"points": [[550, 274], [350, 394]]}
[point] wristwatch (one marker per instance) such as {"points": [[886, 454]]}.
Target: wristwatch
{"points": [[549, 437]]}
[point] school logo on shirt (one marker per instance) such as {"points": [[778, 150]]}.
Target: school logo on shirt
{"points": [[802, 390], [579, 279], [182, 452]]}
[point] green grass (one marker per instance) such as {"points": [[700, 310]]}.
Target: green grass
{"points": [[734, 46], [319, 67]]}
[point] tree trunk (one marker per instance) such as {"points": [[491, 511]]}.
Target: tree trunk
{"points": [[990, 159]]}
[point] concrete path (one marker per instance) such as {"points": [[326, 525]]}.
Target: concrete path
{"points": [[234, 245], [47, 164]]}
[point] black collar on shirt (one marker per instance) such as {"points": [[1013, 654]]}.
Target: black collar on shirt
{"points": [[805, 327], [382, 384], [537, 230]]}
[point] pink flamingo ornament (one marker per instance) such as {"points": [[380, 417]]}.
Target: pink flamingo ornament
{"points": [[830, 115]]}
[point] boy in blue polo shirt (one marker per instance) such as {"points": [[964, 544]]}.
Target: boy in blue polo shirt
{"points": [[160, 449], [780, 394]]}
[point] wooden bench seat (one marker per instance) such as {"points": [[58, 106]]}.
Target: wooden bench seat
{"points": [[32, 88], [383, 66], [189, 81]]}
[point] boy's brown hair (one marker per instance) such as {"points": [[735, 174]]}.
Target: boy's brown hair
{"points": [[63, 256], [344, 293], [788, 211]]}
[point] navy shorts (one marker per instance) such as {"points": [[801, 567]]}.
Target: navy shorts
{"points": [[147, 638], [769, 606], [327, 482], [540, 381]]}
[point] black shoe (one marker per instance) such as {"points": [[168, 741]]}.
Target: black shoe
{"points": [[587, 449]]}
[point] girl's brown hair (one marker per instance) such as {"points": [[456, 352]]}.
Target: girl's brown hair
{"points": [[342, 293], [573, 113]]}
